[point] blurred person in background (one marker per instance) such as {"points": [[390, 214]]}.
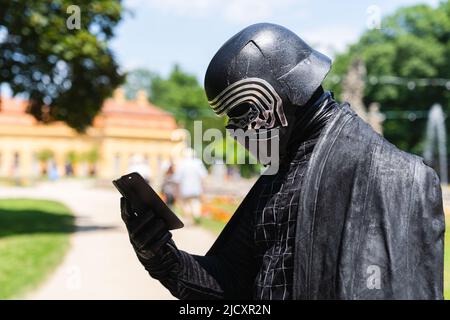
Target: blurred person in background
{"points": [[52, 170], [139, 165], [169, 186], [189, 176]]}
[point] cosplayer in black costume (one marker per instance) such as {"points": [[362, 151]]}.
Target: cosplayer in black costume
{"points": [[347, 215]]}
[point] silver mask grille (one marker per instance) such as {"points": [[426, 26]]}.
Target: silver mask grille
{"points": [[255, 91]]}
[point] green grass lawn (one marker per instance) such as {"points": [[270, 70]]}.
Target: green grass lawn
{"points": [[34, 235]]}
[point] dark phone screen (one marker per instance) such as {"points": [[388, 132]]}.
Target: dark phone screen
{"points": [[143, 198]]}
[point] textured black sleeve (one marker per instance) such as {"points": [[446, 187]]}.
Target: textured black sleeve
{"points": [[234, 266], [228, 274]]}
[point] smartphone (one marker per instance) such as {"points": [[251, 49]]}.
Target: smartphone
{"points": [[143, 199]]}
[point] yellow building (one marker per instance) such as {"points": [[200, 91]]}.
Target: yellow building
{"points": [[123, 129]]}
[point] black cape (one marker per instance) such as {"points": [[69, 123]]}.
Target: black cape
{"points": [[370, 223]]}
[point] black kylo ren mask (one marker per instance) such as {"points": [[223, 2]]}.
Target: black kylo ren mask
{"points": [[261, 76]]}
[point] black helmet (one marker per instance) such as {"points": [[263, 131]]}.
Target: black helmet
{"points": [[261, 69]]}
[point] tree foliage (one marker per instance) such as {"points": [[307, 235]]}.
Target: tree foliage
{"points": [[65, 73], [413, 42]]}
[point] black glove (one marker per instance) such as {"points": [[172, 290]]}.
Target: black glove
{"points": [[148, 233]]}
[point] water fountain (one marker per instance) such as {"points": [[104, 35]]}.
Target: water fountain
{"points": [[436, 131]]}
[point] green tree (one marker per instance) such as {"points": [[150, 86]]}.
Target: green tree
{"points": [[182, 95], [72, 156], [179, 93], [412, 43], [66, 73], [43, 156], [92, 157]]}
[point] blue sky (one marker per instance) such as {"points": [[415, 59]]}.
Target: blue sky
{"points": [[159, 33]]}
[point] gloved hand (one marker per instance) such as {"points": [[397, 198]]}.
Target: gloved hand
{"points": [[148, 233]]}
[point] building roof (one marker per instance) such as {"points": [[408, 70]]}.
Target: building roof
{"points": [[115, 112]]}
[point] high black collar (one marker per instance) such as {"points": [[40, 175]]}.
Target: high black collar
{"points": [[310, 120]]}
